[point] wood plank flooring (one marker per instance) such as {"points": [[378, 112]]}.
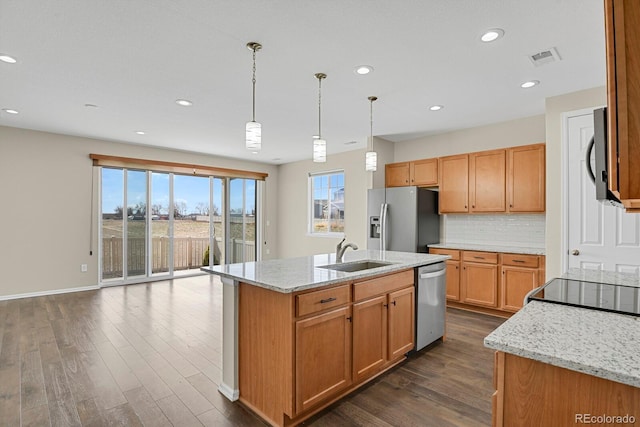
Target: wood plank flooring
{"points": [[150, 354]]}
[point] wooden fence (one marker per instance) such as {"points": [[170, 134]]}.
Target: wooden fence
{"points": [[187, 254]]}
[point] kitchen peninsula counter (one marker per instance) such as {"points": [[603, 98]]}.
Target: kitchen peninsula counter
{"points": [[574, 360]]}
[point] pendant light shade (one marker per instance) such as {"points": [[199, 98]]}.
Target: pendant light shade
{"points": [[371, 157], [319, 144], [253, 135]]}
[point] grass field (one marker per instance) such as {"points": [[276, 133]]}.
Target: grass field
{"points": [[181, 228]]}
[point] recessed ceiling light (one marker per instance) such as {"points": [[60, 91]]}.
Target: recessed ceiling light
{"points": [[8, 59], [254, 152], [140, 132], [436, 107], [530, 83], [492, 35], [10, 111], [91, 105], [363, 69], [184, 102]]}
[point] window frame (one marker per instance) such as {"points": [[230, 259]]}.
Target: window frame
{"points": [[310, 203]]}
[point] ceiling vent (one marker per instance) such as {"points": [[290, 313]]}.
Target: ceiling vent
{"points": [[545, 57]]}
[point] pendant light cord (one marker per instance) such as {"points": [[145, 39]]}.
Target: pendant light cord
{"points": [[253, 80], [319, 107], [371, 123]]}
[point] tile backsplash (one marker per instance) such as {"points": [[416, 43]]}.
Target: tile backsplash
{"points": [[520, 230]]}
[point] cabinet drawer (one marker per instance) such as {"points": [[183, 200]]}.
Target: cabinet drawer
{"points": [[454, 253], [520, 260], [482, 257], [382, 285], [316, 301]]}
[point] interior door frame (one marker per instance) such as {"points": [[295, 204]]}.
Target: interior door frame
{"points": [[564, 190]]}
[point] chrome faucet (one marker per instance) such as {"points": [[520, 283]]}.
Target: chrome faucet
{"points": [[340, 250]]}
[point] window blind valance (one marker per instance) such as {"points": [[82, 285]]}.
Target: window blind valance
{"points": [[171, 167]]}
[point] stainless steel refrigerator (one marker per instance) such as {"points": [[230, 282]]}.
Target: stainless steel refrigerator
{"points": [[402, 219]]}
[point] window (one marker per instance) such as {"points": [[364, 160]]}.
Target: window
{"points": [[326, 199]]}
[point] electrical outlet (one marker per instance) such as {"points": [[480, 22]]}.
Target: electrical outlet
{"points": [[268, 251], [83, 268]]}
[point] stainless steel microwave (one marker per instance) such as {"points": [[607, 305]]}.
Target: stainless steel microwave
{"points": [[598, 145]]}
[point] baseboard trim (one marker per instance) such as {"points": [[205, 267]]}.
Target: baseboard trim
{"points": [[52, 292], [228, 392]]}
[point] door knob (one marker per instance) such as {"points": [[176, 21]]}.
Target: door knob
{"points": [[575, 252]]}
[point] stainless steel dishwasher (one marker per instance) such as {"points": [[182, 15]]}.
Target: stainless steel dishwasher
{"points": [[430, 303]]}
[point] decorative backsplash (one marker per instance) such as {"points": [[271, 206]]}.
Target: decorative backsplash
{"points": [[526, 230]]}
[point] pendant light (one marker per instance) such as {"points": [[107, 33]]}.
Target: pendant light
{"points": [[371, 157], [254, 129], [319, 144]]}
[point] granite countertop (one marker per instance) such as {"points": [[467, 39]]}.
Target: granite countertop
{"points": [[490, 248], [598, 343], [297, 274]]}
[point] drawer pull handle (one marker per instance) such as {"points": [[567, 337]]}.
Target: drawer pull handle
{"points": [[478, 257], [324, 301], [518, 260]]}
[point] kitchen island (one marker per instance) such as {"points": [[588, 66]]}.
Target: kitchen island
{"points": [[562, 365], [300, 333]]}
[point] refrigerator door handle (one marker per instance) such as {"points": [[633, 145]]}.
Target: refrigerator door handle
{"points": [[383, 221]]}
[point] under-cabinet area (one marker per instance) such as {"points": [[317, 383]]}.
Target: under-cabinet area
{"points": [[298, 352], [491, 282]]}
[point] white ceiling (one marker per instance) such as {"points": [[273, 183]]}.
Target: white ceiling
{"points": [[134, 58]]}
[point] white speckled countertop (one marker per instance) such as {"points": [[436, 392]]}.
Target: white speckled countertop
{"points": [[297, 274], [490, 248], [598, 343]]}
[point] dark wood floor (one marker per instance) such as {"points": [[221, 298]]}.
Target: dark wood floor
{"points": [[150, 354]]}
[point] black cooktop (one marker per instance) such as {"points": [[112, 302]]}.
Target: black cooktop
{"points": [[597, 296]]}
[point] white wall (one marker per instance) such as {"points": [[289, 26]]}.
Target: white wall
{"points": [[293, 236], [555, 107], [45, 183], [529, 130]]}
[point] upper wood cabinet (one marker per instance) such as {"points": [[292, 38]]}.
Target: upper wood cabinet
{"points": [[526, 178], [487, 181], [622, 19], [420, 172], [454, 184], [424, 172], [396, 174]]}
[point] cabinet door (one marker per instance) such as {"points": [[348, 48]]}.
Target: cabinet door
{"points": [[480, 284], [369, 337], [487, 181], [396, 174], [516, 283], [453, 280], [401, 322], [526, 178], [622, 18], [424, 172], [454, 184], [323, 357]]}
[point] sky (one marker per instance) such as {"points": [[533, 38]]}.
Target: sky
{"points": [[192, 190]]}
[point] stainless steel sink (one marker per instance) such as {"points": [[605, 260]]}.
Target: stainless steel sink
{"points": [[356, 265]]}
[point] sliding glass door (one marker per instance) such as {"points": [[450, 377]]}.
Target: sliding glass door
{"points": [[166, 225]]}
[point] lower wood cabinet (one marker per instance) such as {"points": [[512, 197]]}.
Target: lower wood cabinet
{"points": [[300, 352], [491, 282], [532, 393], [479, 284], [323, 356]]}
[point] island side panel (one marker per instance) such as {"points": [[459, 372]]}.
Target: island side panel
{"points": [[536, 393], [265, 357]]}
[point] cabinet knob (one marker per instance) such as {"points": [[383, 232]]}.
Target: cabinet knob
{"points": [[510, 205], [473, 206]]}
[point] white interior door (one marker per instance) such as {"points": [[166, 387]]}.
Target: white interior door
{"points": [[601, 237]]}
